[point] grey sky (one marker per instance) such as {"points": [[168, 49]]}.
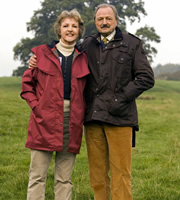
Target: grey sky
{"points": [[163, 15]]}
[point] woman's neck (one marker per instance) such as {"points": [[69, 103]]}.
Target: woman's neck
{"points": [[65, 49]]}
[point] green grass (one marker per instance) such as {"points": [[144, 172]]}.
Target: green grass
{"points": [[156, 158]]}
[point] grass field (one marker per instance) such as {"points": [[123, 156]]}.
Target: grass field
{"points": [[156, 158]]}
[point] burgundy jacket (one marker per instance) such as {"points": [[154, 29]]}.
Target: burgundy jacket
{"points": [[43, 89]]}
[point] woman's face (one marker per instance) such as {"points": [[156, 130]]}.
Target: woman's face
{"points": [[69, 30]]}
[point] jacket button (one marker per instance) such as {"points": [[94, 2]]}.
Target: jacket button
{"points": [[97, 95], [115, 99], [60, 123], [95, 111]]}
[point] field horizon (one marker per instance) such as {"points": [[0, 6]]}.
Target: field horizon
{"points": [[156, 157]]}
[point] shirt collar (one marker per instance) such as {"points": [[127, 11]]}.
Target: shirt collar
{"points": [[110, 36]]}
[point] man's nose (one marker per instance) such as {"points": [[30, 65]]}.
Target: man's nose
{"points": [[104, 21]]}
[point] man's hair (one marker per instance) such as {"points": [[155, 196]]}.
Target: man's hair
{"points": [[69, 14], [105, 5]]}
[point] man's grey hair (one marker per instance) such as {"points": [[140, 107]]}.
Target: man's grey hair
{"points": [[105, 5]]}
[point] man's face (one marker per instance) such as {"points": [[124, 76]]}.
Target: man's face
{"points": [[105, 21]]}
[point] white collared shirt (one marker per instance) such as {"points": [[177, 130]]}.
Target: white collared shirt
{"points": [[110, 36]]}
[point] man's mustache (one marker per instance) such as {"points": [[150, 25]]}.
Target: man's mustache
{"points": [[105, 26]]}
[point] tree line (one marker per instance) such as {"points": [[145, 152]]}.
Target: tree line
{"points": [[167, 72], [41, 25]]}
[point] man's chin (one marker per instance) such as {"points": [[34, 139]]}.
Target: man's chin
{"points": [[104, 33]]}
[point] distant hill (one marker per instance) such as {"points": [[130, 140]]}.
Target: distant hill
{"points": [[167, 72]]}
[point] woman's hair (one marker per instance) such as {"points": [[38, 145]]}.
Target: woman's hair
{"points": [[69, 14], [104, 5]]}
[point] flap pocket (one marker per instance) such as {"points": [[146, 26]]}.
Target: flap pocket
{"points": [[118, 105], [48, 71], [81, 75], [122, 55], [123, 48]]}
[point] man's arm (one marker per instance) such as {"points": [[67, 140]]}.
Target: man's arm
{"points": [[33, 61], [143, 73]]}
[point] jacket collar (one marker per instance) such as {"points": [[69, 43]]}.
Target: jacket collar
{"points": [[118, 35], [53, 45]]}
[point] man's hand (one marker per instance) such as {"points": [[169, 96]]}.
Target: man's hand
{"points": [[33, 61]]}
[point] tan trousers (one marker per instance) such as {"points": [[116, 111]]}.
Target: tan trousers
{"points": [[64, 162], [109, 149]]}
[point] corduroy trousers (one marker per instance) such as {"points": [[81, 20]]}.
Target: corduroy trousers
{"points": [[109, 150]]}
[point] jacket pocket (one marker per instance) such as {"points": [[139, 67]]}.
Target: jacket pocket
{"points": [[122, 56], [37, 114], [118, 105]]}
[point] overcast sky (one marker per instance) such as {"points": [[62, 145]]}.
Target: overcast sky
{"points": [[163, 15]]}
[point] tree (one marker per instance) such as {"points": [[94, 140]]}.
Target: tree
{"points": [[41, 24], [168, 71], [147, 34]]}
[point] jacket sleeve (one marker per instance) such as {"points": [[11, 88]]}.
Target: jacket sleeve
{"points": [[28, 91], [143, 74]]}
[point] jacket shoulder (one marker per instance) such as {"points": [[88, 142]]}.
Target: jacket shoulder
{"points": [[93, 35], [39, 48], [88, 41], [133, 36], [131, 39]]}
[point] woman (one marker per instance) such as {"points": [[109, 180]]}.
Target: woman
{"points": [[54, 91]]}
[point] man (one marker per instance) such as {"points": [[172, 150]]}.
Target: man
{"points": [[120, 72]]}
